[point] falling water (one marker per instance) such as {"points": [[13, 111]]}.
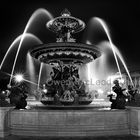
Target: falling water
{"points": [[32, 18], [11, 46], [122, 60], [110, 41], [31, 70], [98, 72], [114, 49], [99, 67], [30, 67], [28, 35], [119, 56], [39, 76]]}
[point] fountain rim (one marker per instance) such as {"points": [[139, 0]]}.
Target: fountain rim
{"points": [[38, 50]]}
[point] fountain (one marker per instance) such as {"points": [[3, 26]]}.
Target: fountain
{"points": [[64, 62], [65, 57], [63, 86]]}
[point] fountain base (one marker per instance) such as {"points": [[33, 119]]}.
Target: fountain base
{"points": [[56, 123]]}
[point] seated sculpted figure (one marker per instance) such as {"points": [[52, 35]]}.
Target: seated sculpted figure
{"points": [[121, 97]]}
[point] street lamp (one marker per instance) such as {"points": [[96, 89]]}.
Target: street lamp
{"points": [[18, 78]]}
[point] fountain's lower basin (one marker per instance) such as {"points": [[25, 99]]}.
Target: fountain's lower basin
{"points": [[69, 122], [96, 104]]}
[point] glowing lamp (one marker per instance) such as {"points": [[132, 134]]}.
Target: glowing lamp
{"points": [[3, 92], [18, 77]]}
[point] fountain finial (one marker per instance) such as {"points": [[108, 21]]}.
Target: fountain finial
{"points": [[65, 12], [65, 25]]}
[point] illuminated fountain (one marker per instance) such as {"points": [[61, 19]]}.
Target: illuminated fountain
{"points": [[63, 75], [65, 57], [67, 69]]}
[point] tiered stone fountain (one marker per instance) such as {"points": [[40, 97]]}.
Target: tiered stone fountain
{"points": [[65, 56]]}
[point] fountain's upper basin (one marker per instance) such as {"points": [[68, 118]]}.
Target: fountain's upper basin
{"points": [[67, 52]]}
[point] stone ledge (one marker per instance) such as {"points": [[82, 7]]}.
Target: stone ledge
{"points": [[69, 123]]}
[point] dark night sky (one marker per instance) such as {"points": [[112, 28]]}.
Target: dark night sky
{"points": [[123, 17]]}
